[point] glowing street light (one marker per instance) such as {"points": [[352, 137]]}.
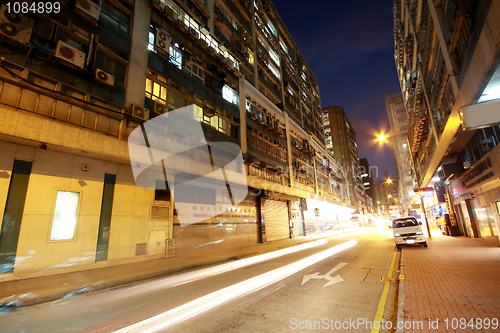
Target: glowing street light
{"points": [[389, 180], [383, 138]]}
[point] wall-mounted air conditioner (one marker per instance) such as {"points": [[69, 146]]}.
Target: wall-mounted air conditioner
{"points": [[139, 113], [104, 78], [157, 109], [190, 60], [160, 4], [88, 10], [69, 54], [17, 27], [208, 111], [162, 40], [180, 23], [194, 33]]}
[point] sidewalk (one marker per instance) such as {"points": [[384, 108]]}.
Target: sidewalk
{"points": [[43, 289], [454, 280]]}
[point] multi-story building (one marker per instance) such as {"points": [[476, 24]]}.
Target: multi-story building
{"points": [[367, 179], [341, 141], [76, 81], [386, 198], [447, 60], [398, 120]]}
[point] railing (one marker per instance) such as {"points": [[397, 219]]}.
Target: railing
{"points": [[56, 100], [277, 176], [266, 146]]}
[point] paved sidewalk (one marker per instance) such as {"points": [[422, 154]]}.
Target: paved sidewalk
{"points": [[454, 280], [43, 289]]}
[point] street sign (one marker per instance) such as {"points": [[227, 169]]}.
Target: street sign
{"points": [[316, 211]]}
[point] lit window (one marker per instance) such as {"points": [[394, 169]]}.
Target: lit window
{"points": [[65, 213], [229, 95], [176, 57], [151, 41], [272, 28]]}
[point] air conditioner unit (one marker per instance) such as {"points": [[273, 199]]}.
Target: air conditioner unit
{"points": [[253, 113], [162, 40], [88, 10], [159, 4], [260, 118], [104, 78], [230, 63], [139, 113], [157, 109], [208, 111], [190, 61], [194, 33], [69, 54], [180, 23], [204, 44], [15, 26]]}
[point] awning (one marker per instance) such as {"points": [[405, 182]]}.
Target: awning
{"points": [[479, 115]]}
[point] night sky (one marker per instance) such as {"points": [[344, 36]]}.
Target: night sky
{"points": [[349, 46]]}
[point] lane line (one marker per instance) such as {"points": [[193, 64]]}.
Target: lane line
{"points": [[383, 298], [204, 303]]}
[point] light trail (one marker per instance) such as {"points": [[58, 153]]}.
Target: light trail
{"points": [[197, 306], [135, 289]]}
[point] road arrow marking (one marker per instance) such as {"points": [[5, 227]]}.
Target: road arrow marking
{"points": [[327, 276]]}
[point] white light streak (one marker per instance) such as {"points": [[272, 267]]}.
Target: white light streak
{"points": [[193, 308]]}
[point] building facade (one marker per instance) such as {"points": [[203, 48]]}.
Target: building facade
{"points": [[447, 59], [367, 179], [76, 82], [341, 141], [398, 120]]}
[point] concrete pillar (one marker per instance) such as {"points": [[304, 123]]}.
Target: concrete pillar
{"points": [[243, 115], [289, 149]]}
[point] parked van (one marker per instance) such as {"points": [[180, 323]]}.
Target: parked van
{"points": [[407, 230]]}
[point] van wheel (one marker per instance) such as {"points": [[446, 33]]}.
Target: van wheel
{"points": [[425, 244], [398, 246]]}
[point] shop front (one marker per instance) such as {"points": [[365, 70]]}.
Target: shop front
{"points": [[476, 198]]}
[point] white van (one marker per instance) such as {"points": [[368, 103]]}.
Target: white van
{"points": [[407, 230]]}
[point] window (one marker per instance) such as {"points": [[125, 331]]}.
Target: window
{"points": [[117, 18], [196, 70], [274, 56], [176, 57], [229, 95], [151, 41], [272, 28], [65, 216]]}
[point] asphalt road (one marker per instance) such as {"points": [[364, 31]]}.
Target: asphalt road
{"points": [[333, 286]]}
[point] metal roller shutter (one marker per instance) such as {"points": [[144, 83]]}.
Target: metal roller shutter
{"points": [[276, 220]]}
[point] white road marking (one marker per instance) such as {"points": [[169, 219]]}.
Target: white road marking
{"points": [[327, 276]]}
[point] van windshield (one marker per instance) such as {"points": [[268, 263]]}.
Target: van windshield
{"points": [[404, 223]]}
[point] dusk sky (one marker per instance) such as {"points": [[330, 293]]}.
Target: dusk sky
{"points": [[349, 46]]}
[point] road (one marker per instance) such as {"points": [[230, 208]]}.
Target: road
{"points": [[332, 284]]}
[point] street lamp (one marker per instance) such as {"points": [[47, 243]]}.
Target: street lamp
{"points": [[383, 138]]}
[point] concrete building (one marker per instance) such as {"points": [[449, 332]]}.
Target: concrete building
{"points": [[367, 179], [341, 141], [447, 58], [398, 120], [75, 83], [387, 202]]}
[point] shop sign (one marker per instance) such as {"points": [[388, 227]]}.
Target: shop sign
{"points": [[476, 171], [427, 192]]}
